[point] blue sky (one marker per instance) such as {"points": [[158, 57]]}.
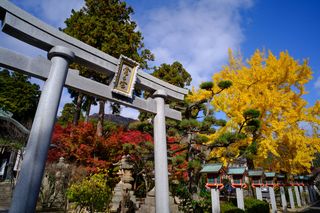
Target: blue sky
{"points": [[198, 33]]}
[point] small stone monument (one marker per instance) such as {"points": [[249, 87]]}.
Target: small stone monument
{"points": [[302, 193], [306, 188], [54, 185], [296, 190], [61, 177], [281, 179], [290, 183]]}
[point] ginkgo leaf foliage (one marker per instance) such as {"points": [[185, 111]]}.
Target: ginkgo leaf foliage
{"points": [[274, 87]]}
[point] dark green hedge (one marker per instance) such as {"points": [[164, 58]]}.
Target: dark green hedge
{"points": [[253, 205], [230, 208]]}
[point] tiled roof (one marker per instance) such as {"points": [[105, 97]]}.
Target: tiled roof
{"points": [[270, 174], [254, 173], [211, 168], [236, 170], [307, 177], [281, 176]]}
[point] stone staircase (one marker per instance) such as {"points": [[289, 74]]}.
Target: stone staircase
{"points": [[5, 195], [149, 205]]}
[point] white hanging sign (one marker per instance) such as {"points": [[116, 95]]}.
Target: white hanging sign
{"points": [[126, 75]]}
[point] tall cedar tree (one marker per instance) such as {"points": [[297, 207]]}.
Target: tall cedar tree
{"points": [[107, 26], [18, 96]]}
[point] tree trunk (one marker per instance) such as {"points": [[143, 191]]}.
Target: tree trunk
{"points": [[88, 110], [100, 118], [189, 158], [77, 112], [208, 107], [250, 163]]}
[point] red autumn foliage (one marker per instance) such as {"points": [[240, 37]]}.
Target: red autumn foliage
{"points": [[134, 137], [179, 169], [80, 145]]}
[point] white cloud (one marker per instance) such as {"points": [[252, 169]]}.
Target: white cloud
{"points": [[57, 11], [196, 33], [53, 12]]}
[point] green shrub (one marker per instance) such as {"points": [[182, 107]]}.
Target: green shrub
{"points": [[229, 208], [206, 85], [91, 193], [253, 205]]}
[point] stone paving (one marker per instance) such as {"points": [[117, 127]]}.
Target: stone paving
{"points": [[315, 208]]}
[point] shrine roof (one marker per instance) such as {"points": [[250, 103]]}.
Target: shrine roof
{"points": [[236, 170], [281, 176], [255, 173], [212, 168], [270, 174]]}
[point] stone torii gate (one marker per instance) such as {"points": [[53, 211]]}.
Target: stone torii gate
{"points": [[62, 50]]}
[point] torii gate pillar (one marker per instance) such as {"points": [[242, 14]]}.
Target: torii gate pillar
{"points": [[160, 154], [29, 181]]}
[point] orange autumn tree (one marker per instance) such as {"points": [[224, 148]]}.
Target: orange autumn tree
{"points": [[272, 88]]}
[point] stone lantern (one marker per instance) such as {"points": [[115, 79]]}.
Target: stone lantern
{"points": [[256, 181], [214, 182], [237, 181], [123, 199]]}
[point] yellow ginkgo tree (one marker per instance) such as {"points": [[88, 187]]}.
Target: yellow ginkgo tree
{"points": [[269, 122]]}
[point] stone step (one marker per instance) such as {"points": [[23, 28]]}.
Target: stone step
{"points": [[5, 195]]}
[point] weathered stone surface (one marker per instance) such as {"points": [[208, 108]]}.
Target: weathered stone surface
{"points": [[149, 205], [5, 195]]}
